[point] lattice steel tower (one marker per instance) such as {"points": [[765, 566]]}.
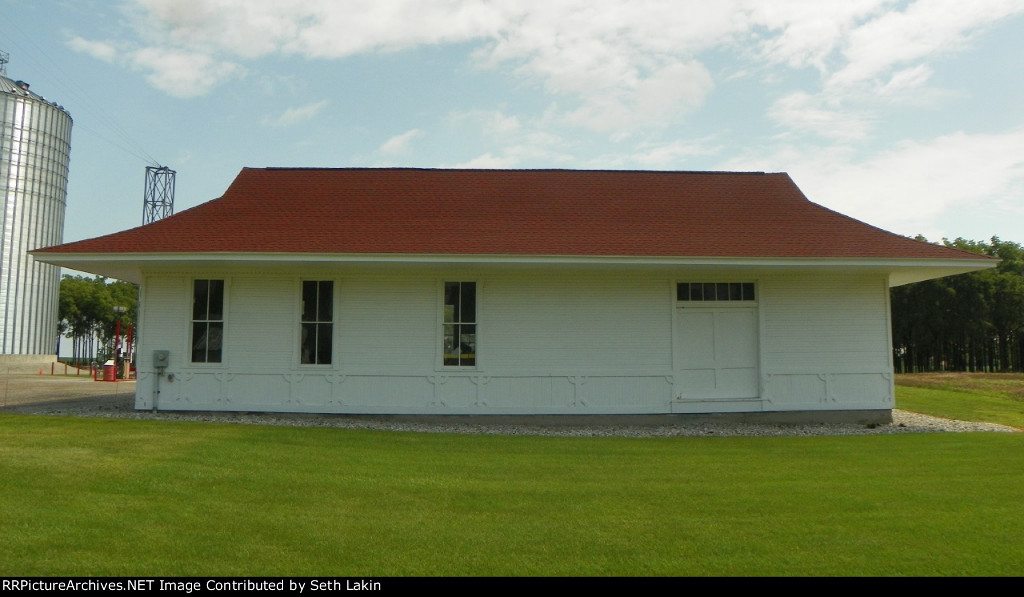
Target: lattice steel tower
{"points": [[158, 202]]}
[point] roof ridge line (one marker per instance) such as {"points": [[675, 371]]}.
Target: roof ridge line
{"points": [[579, 170]]}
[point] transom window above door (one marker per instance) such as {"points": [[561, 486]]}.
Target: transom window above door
{"points": [[715, 291]]}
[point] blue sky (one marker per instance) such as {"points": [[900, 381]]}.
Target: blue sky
{"points": [[908, 115]]}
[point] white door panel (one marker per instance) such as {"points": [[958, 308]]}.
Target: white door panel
{"points": [[717, 353]]}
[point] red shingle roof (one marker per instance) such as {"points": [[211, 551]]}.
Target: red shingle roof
{"points": [[513, 212]]}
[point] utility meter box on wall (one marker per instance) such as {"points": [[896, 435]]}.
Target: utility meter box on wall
{"points": [[161, 358]]}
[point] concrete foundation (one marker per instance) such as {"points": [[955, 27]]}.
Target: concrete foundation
{"points": [[31, 363], [858, 417]]}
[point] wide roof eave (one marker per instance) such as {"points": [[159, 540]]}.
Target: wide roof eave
{"points": [[128, 266]]}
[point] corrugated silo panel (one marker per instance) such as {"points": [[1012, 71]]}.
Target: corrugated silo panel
{"points": [[35, 147]]}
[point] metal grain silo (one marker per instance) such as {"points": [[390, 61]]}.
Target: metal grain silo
{"points": [[35, 147]]}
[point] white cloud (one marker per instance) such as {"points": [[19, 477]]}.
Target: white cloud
{"points": [[618, 66], [532, 141], [613, 66], [871, 54], [656, 99], [532, 148], [908, 187], [183, 74], [670, 155], [925, 29], [400, 143], [321, 28], [905, 81], [805, 113], [804, 33], [493, 123], [178, 73], [655, 155], [295, 115], [97, 49], [500, 123], [624, 64], [489, 161]]}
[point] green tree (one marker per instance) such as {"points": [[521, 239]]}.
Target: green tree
{"points": [[969, 322], [86, 313]]}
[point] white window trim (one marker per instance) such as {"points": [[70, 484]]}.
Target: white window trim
{"points": [[716, 304], [190, 341], [439, 343], [334, 324]]}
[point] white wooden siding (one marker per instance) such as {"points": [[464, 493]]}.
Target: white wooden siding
{"points": [[165, 317], [261, 328], [566, 343], [387, 325], [569, 324], [826, 343]]}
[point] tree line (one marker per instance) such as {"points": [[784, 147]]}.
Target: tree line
{"points": [[970, 322], [87, 316]]}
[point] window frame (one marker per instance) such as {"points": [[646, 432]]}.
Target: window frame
{"points": [[740, 301], [317, 322], [208, 320], [444, 356]]}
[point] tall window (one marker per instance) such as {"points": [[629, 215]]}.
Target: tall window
{"points": [[317, 322], [207, 320], [460, 324]]}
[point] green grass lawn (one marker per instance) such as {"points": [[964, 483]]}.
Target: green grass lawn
{"points": [[109, 497], [987, 397]]}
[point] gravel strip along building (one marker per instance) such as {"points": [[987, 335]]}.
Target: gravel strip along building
{"points": [[62, 397]]}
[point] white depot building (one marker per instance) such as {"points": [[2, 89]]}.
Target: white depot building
{"points": [[401, 291]]}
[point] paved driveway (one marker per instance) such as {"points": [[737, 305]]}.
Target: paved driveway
{"points": [[21, 393]]}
